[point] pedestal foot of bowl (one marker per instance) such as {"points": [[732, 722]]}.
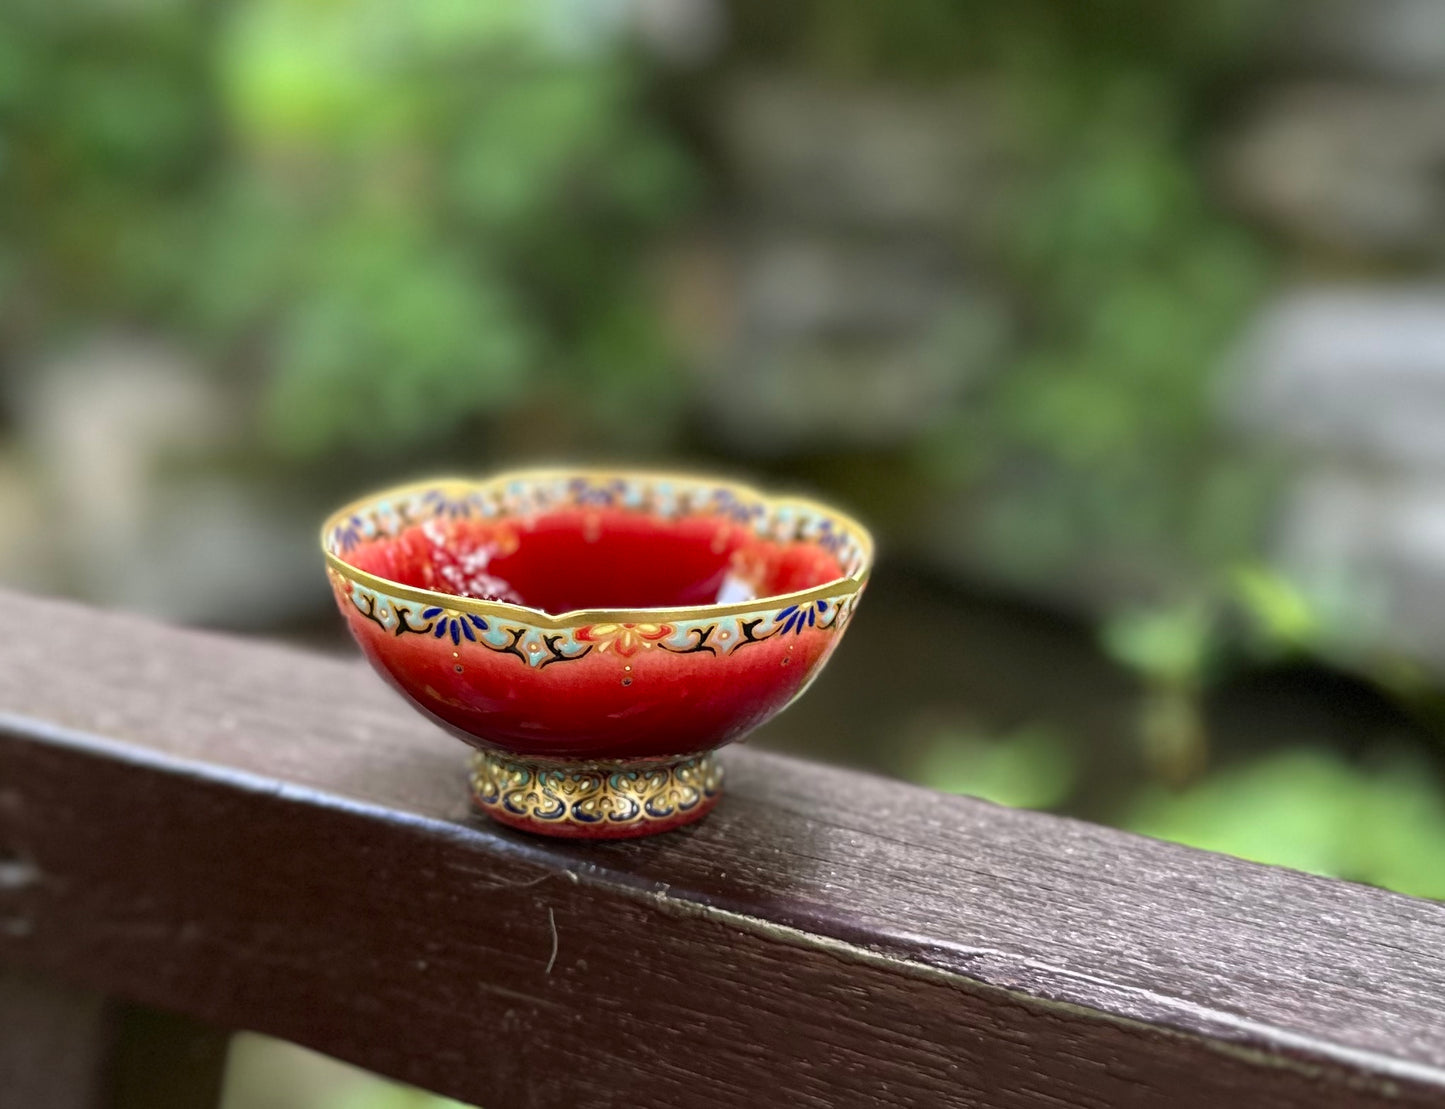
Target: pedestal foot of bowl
{"points": [[595, 799]]}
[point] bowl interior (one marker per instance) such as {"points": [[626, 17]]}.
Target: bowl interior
{"points": [[588, 543]]}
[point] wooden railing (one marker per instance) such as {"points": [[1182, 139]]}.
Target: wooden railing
{"points": [[200, 833]]}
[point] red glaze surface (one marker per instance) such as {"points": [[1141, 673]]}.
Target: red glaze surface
{"points": [[606, 705], [596, 558]]}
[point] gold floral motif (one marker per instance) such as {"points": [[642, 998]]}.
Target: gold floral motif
{"points": [[617, 796], [624, 638]]}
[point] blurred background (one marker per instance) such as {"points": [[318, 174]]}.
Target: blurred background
{"points": [[1122, 323]]}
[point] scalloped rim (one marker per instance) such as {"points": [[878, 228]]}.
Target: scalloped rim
{"points": [[844, 586]]}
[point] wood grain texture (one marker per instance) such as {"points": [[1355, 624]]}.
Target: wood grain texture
{"points": [[270, 840]]}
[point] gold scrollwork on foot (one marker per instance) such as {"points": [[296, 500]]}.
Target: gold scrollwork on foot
{"points": [[596, 795]]}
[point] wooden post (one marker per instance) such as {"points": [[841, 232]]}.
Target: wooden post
{"points": [[56, 1045], [66, 1048]]}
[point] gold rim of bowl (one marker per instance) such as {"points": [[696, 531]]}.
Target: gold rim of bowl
{"points": [[843, 586]]}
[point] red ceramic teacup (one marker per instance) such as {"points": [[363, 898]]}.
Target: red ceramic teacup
{"points": [[595, 636]]}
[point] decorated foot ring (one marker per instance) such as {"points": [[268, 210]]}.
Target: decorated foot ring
{"points": [[595, 800]]}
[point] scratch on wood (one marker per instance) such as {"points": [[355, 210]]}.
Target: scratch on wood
{"points": [[552, 923], [529, 999], [528, 884]]}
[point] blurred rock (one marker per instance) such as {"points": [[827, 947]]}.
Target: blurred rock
{"points": [[851, 312], [681, 32], [120, 434], [1353, 168], [1388, 38], [1349, 373], [846, 343], [863, 155], [1352, 383], [1369, 550]]}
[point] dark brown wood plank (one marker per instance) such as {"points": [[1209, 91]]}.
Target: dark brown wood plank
{"points": [[270, 840]]}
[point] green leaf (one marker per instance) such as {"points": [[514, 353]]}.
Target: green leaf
{"points": [[1312, 810], [1032, 768], [1169, 644]]}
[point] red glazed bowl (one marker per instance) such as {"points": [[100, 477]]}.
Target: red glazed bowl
{"points": [[595, 635]]}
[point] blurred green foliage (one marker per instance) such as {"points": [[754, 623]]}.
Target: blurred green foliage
{"points": [[1100, 446], [1033, 767], [1313, 810], [1378, 819], [1097, 444], [937, 40], [385, 1095], [262, 1073], [406, 217]]}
